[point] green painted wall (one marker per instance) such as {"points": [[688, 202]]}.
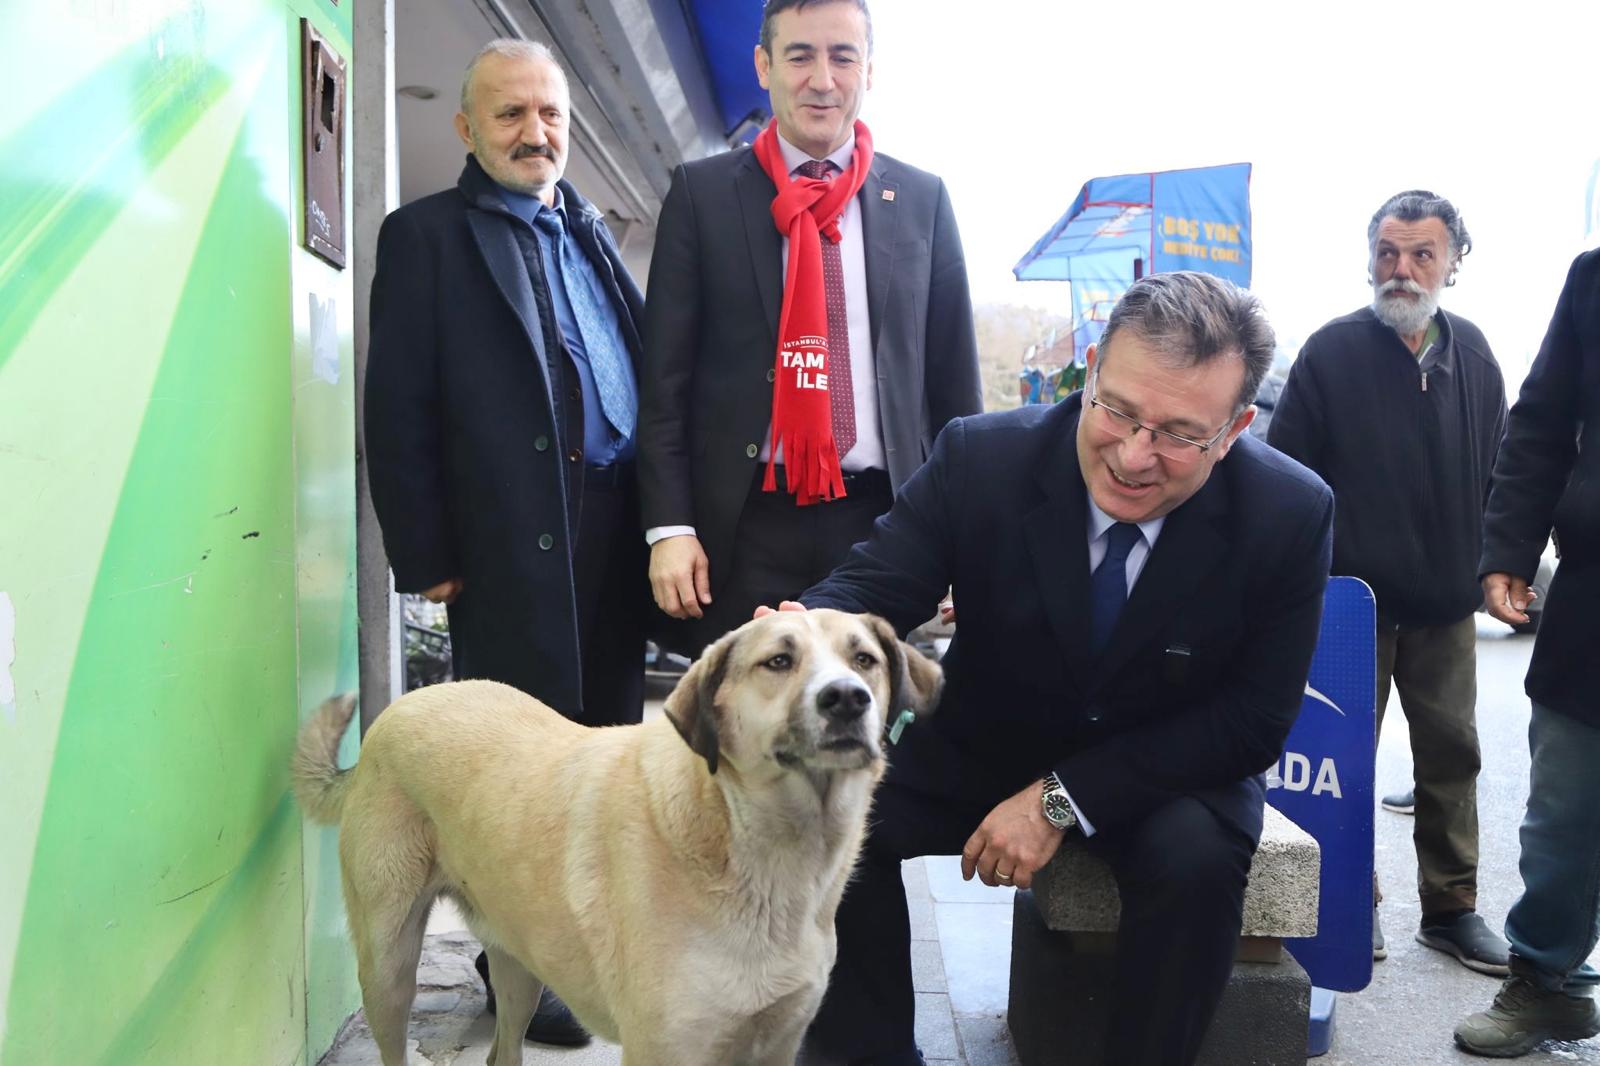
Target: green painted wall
{"points": [[177, 537]]}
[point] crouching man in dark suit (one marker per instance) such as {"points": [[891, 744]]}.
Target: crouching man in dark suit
{"points": [[1139, 590]]}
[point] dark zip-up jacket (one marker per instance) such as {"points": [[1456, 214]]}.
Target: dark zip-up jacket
{"points": [[1408, 454], [1548, 475]]}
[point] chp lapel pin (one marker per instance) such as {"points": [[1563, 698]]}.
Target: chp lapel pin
{"points": [[888, 195]]}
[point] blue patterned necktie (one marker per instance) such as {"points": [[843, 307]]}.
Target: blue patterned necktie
{"points": [[607, 359], [1108, 585]]}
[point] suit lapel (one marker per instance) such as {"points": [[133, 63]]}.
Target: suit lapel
{"points": [[878, 219], [1056, 532], [766, 245], [498, 244], [1191, 546]]}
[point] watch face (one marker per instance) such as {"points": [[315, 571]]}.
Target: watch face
{"points": [[1058, 809]]}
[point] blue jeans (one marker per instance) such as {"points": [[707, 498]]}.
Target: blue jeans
{"points": [[1554, 926]]}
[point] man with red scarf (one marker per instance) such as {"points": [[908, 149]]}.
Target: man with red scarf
{"points": [[808, 331]]}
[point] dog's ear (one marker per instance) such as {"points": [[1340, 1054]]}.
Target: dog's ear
{"points": [[915, 681], [692, 705]]}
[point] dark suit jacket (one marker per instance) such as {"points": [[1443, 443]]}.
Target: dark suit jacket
{"points": [[711, 334], [1203, 676], [467, 432], [1546, 476]]}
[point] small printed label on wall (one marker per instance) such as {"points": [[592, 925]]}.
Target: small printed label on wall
{"points": [[325, 339]]}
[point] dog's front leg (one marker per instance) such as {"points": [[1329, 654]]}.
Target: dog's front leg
{"points": [[785, 1052], [516, 993], [780, 1045], [675, 1045]]}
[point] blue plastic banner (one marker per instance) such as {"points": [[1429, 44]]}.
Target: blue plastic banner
{"points": [[1202, 222], [1095, 292], [1119, 228], [1323, 783]]}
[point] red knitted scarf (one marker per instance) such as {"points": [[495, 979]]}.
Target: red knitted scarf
{"points": [[806, 210]]}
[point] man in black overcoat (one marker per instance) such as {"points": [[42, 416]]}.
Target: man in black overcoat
{"points": [[501, 409]]}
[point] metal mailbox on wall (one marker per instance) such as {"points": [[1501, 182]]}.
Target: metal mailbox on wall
{"points": [[323, 81]]}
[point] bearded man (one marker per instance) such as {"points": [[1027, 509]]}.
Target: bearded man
{"points": [[1400, 406]]}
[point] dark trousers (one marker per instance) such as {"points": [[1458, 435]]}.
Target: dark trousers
{"points": [[781, 549], [611, 581], [1181, 873], [1435, 670], [612, 589]]}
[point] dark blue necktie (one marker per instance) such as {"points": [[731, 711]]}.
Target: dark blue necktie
{"points": [[600, 343], [1108, 585]]}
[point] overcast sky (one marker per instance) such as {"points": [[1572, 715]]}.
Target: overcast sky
{"points": [[1016, 103]]}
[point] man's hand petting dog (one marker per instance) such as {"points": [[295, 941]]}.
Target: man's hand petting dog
{"points": [[786, 605]]}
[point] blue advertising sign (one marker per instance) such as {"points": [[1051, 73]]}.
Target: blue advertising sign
{"points": [[1202, 222], [1323, 784], [1094, 293], [1120, 228]]}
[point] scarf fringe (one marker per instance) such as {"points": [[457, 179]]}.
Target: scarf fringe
{"points": [[810, 466]]}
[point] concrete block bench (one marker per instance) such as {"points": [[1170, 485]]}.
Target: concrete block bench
{"points": [[1064, 932]]}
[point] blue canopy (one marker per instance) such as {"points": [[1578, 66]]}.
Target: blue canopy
{"points": [[728, 32], [1120, 228]]}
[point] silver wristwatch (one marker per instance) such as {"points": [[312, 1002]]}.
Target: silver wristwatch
{"points": [[1057, 808]]}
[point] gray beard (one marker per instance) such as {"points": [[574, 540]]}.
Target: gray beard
{"points": [[1405, 316]]}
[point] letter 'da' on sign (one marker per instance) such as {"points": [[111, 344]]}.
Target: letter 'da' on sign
{"points": [[323, 79]]}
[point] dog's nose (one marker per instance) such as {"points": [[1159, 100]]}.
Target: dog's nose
{"points": [[844, 700]]}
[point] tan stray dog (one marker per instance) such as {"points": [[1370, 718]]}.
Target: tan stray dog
{"points": [[674, 881]]}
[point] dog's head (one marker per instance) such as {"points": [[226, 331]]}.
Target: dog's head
{"points": [[801, 690]]}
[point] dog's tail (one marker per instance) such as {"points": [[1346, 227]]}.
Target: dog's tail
{"points": [[319, 784]]}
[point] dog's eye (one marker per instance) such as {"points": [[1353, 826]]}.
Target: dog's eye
{"points": [[865, 661], [778, 662]]}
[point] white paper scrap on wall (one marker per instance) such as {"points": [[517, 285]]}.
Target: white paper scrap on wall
{"points": [[325, 339], [8, 655]]}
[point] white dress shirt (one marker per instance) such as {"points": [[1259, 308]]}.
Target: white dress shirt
{"points": [[1100, 523]]}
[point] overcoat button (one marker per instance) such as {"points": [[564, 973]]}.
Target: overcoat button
{"points": [[546, 541], [751, 451]]}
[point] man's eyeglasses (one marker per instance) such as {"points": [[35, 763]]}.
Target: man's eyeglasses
{"points": [[1168, 445]]}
